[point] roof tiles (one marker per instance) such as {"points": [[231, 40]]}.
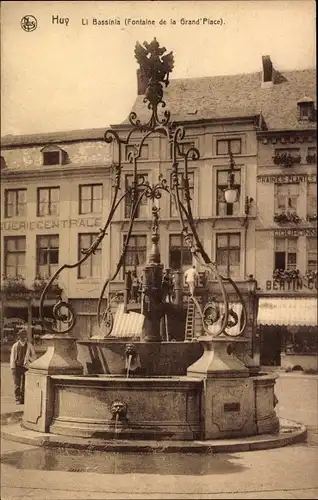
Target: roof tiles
{"points": [[216, 97]]}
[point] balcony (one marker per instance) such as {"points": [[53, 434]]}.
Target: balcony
{"points": [[286, 274], [311, 275], [15, 287], [287, 218], [286, 159], [312, 218], [54, 290], [311, 158]]}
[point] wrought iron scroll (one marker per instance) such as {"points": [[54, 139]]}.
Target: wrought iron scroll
{"points": [[155, 68]]}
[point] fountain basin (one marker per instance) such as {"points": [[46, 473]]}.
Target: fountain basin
{"points": [[157, 408], [100, 356]]}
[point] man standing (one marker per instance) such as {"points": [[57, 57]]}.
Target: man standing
{"points": [[191, 277], [22, 353]]}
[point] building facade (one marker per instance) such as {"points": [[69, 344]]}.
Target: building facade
{"points": [[66, 183], [54, 193]]}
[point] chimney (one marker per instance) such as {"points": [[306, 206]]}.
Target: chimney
{"points": [[142, 83], [268, 76]]}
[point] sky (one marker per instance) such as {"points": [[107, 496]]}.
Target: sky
{"points": [[78, 75]]}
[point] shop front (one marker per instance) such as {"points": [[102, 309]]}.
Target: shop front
{"points": [[287, 327], [21, 307]]}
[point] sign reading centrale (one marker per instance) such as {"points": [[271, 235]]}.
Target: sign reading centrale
{"points": [[34, 225]]}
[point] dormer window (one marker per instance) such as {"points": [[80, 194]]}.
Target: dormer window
{"points": [[53, 155], [306, 109]]}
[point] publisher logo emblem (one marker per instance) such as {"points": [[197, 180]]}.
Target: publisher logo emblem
{"points": [[29, 23]]}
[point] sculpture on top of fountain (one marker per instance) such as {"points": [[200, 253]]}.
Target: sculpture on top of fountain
{"points": [[153, 64], [155, 69]]}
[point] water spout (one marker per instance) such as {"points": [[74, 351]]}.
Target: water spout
{"points": [[132, 359], [116, 423], [128, 365], [119, 415]]}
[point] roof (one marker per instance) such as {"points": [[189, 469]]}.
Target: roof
{"points": [[54, 137], [232, 96], [216, 97]]}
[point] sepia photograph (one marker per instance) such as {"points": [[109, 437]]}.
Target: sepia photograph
{"points": [[158, 317]]}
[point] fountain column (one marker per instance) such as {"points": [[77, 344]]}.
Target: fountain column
{"points": [[152, 286]]}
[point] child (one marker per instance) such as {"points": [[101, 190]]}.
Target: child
{"points": [[22, 353]]}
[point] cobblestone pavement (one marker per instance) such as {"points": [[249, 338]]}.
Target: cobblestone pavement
{"points": [[290, 472]]}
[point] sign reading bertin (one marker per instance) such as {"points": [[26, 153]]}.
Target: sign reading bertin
{"points": [[50, 224]]}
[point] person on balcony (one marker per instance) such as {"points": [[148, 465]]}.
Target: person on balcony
{"points": [[22, 354], [191, 278], [135, 286]]}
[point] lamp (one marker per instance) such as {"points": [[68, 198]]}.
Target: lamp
{"points": [[230, 193], [251, 284]]}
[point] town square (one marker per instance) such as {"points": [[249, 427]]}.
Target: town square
{"points": [[159, 274]]}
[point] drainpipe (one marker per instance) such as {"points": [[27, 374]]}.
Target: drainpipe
{"points": [[29, 320]]}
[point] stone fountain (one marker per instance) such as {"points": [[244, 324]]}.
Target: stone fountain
{"points": [[149, 388]]}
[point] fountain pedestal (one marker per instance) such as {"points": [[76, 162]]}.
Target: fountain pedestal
{"points": [[60, 358], [230, 398]]}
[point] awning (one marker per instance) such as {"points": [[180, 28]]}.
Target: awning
{"points": [[127, 324], [287, 311]]}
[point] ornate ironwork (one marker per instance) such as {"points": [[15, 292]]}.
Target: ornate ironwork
{"points": [[155, 67]]}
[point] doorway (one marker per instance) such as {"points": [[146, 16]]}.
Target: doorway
{"points": [[270, 346]]}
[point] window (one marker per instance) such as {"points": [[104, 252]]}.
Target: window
{"points": [[87, 325], [131, 148], [47, 250], [53, 155], [136, 254], [90, 198], [51, 158], [286, 196], [14, 256], [184, 147], [91, 268], [15, 203], [224, 208], [285, 253], [3, 162], [311, 199], [311, 254], [225, 146], [228, 250], [142, 211], [48, 201], [311, 155], [179, 254], [306, 109], [173, 208]]}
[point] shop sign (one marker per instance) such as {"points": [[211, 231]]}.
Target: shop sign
{"points": [[296, 285], [50, 224], [287, 179], [297, 231]]}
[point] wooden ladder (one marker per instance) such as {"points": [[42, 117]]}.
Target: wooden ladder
{"points": [[189, 329]]}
